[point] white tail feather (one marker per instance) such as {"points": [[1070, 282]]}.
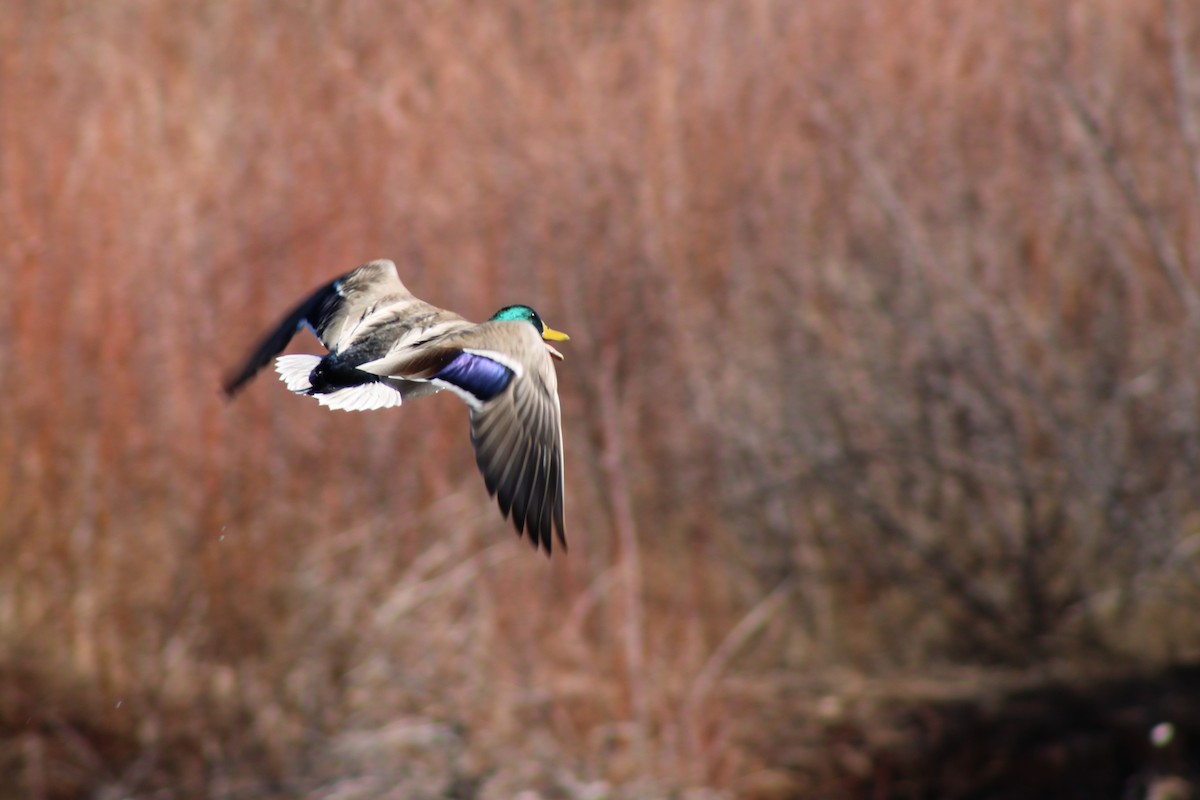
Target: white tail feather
{"points": [[294, 371], [364, 397]]}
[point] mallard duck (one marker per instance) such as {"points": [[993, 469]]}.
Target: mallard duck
{"points": [[387, 347]]}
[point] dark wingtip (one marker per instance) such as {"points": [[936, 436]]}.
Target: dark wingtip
{"points": [[544, 539], [538, 539], [232, 385], [530, 533], [559, 527], [235, 380], [277, 338], [562, 543]]}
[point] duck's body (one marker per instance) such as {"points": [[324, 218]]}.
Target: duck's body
{"points": [[387, 346]]}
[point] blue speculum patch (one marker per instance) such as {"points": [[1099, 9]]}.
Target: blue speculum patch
{"points": [[480, 376]]}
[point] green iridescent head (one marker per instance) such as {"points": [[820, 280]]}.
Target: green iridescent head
{"points": [[527, 314]]}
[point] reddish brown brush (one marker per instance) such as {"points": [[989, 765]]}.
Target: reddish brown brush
{"points": [[884, 356]]}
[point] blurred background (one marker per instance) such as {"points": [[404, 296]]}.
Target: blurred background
{"points": [[881, 404]]}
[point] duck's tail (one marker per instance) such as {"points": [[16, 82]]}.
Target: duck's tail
{"points": [[296, 372]]}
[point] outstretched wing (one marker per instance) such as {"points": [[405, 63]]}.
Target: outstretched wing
{"points": [[332, 312], [518, 446], [503, 371]]}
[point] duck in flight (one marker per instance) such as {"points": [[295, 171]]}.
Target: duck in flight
{"points": [[387, 347]]}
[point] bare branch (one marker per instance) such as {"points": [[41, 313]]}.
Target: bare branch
{"points": [[1165, 252]]}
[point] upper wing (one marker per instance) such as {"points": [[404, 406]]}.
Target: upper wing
{"points": [[334, 312], [357, 297]]}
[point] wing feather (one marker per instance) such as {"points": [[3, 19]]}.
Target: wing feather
{"points": [[273, 343], [518, 440], [331, 311]]}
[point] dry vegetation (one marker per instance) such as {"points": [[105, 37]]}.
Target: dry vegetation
{"points": [[885, 329]]}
